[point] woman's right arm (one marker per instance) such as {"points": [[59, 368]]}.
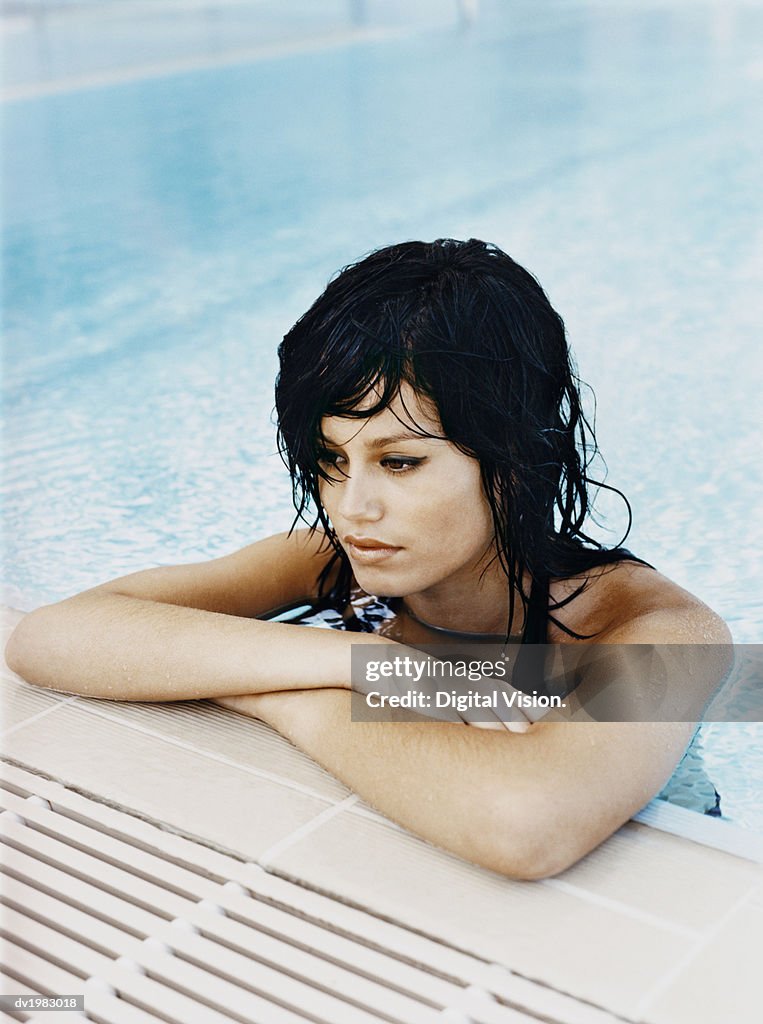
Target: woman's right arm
{"points": [[189, 631]]}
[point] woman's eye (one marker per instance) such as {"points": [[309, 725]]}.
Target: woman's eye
{"points": [[329, 460], [400, 464]]}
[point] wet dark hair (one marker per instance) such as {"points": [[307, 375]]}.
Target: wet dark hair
{"points": [[473, 332]]}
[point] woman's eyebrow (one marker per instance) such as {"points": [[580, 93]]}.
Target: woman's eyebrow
{"points": [[382, 442], [406, 435]]}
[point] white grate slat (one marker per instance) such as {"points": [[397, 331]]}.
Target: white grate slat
{"points": [[277, 985], [172, 979], [218, 959], [80, 959], [319, 954], [72, 956], [335, 950], [371, 932], [79, 893], [103, 936], [113, 850], [61, 1017], [55, 981], [314, 968], [9, 985], [117, 880], [359, 926], [47, 976]]}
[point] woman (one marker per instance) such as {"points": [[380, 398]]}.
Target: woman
{"points": [[432, 426]]}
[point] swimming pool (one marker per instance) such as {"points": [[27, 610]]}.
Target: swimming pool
{"points": [[169, 213]]}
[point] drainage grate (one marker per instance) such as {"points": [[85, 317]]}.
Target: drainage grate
{"points": [[154, 927]]}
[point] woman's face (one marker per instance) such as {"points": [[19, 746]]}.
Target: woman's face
{"points": [[410, 511]]}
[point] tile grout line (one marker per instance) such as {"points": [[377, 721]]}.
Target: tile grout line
{"points": [[211, 755], [36, 717], [621, 908], [705, 937], [266, 858]]}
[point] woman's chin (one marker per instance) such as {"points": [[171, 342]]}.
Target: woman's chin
{"points": [[381, 583]]}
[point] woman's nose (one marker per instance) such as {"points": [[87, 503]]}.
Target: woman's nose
{"points": [[358, 500]]}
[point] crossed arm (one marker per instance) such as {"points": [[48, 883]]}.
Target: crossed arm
{"points": [[525, 804]]}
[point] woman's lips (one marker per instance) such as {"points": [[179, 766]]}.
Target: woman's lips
{"points": [[368, 551]]}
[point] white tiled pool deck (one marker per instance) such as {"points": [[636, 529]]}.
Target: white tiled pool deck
{"points": [[336, 914]]}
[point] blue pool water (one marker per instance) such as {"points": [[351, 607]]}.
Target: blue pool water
{"points": [[175, 197]]}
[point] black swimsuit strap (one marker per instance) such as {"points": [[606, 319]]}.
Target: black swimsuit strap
{"points": [[536, 621]]}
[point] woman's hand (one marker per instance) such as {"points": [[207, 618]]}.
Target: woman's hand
{"points": [[399, 682]]}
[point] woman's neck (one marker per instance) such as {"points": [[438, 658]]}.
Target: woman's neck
{"points": [[469, 607]]}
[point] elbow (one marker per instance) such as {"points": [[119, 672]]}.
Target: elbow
{"points": [[24, 644], [525, 846], [535, 860], [20, 645], [552, 859]]}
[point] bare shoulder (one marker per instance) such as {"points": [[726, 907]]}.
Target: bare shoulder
{"points": [[290, 563], [628, 602], [647, 607]]}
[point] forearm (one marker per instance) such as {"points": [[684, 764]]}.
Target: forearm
{"points": [[110, 645], [466, 790]]}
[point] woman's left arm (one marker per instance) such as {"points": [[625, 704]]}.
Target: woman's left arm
{"points": [[527, 805]]}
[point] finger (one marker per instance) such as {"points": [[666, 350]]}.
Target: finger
{"points": [[501, 726], [501, 718]]}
